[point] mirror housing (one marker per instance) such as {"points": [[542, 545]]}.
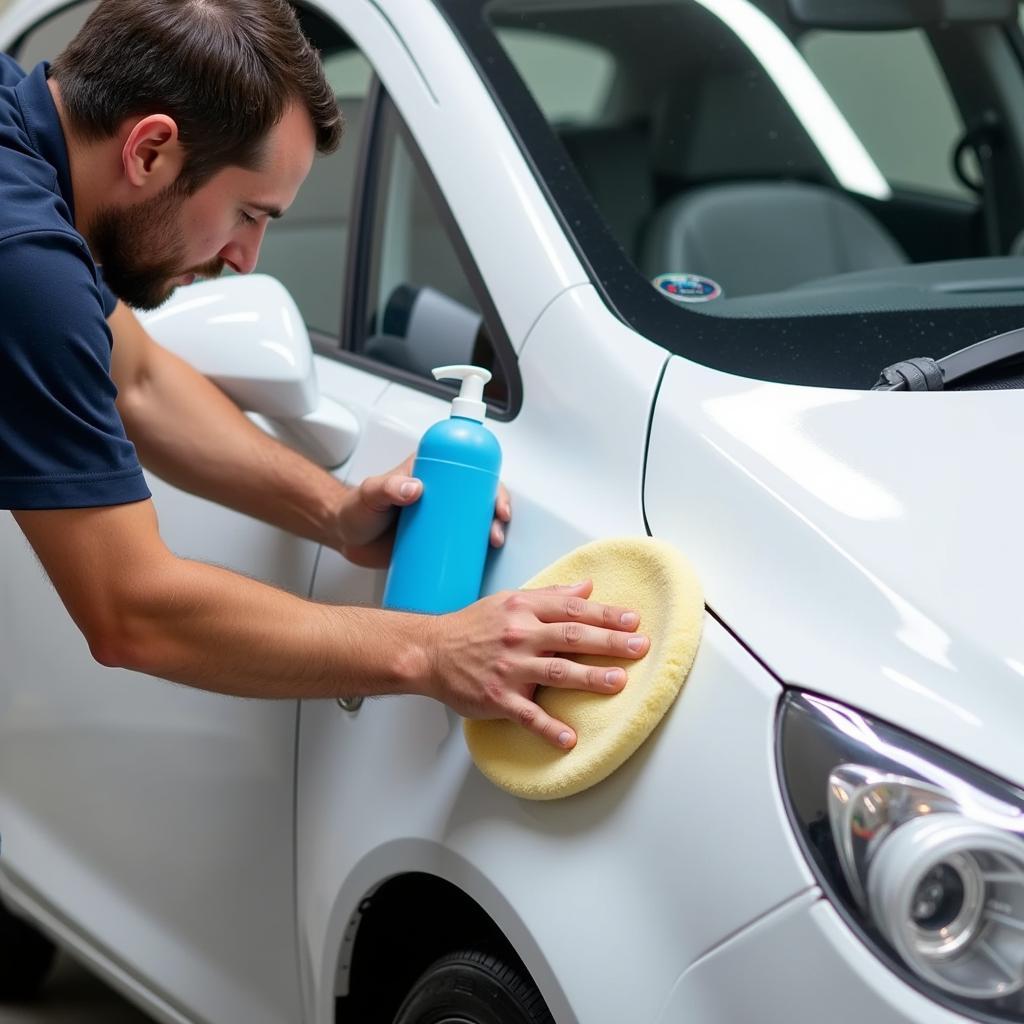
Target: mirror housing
{"points": [[881, 15], [247, 335]]}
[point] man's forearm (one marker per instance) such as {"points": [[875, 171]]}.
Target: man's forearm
{"points": [[189, 433], [141, 607], [210, 628]]}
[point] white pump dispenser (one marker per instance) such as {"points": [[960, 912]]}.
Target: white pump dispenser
{"points": [[470, 404]]}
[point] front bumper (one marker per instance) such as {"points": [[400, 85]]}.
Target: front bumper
{"points": [[799, 964]]}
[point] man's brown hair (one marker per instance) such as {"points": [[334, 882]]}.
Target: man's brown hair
{"points": [[225, 70]]}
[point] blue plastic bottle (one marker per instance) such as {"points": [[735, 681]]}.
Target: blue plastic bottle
{"points": [[441, 544]]}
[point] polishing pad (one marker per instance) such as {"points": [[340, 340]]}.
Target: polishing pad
{"points": [[651, 578]]}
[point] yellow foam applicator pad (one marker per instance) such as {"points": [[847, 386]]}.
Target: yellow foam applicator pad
{"points": [[653, 579]]}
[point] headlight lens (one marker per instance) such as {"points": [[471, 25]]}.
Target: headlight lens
{"points": [[921, 852]]}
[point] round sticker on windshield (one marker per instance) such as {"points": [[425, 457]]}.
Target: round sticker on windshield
{"points": [[687, 287]]}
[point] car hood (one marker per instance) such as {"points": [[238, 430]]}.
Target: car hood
{"points": [[863, 545]]}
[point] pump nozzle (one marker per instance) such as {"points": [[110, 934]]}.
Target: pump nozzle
{"points": [[470, 403]]}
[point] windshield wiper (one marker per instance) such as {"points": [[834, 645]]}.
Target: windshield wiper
{"points": [[938, 374]]}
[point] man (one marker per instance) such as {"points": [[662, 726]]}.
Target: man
{"points": [[158, 146]]}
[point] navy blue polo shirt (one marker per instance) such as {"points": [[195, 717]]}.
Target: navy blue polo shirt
{"points": [[62, 443]]}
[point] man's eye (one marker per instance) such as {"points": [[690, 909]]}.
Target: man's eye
{"points": [[246, 219]]}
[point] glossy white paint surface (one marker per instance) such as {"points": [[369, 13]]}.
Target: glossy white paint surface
{"points": [[582, 887], [577, 358], [830, 536], [800, 963], [154, 819], [246, 334]]}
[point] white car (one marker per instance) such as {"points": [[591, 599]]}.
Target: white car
{"points": [[688, 236]]}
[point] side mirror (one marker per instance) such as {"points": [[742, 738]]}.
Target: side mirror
{"points": [[246, 334]]}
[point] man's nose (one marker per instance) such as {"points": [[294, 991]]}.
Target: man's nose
{"points": [[242, 254]]}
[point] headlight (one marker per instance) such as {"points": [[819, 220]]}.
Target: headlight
{"points": [[922, 853]]}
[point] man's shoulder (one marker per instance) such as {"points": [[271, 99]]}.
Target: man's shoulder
{"points": [[47, 274], [29, 198], [57, 241], [29, 192], [26, 222]]}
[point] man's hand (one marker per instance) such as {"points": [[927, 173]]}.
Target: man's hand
{"points": [[489, 658], [366, 518]]}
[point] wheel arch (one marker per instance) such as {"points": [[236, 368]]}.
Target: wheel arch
{"points": [[411, 901]]}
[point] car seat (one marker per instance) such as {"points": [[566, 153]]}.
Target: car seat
{"points": [[758, 237], [743, 211]]}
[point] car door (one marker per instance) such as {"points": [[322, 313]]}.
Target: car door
{"points": [[150, 824], [445, 276]]}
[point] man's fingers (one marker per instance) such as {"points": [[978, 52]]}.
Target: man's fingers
{"points": [[573, 608], [583, 588], [372, 555], [404, 489], [381, 493], [503, 505], [570, 675], [577, 638], [502, 515], [535, 719]]}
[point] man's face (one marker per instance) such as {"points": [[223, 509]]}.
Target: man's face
{"points": [[148, 249]]}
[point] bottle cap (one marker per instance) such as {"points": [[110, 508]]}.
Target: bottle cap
{"points": [[470, 403]]}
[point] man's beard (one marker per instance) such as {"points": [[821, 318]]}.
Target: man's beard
{"points": [[141, 249]]}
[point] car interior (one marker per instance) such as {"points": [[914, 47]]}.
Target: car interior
{"points": [[714, 171], [699, 163]]}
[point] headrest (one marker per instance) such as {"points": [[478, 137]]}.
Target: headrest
{"points": [[732, 126]]}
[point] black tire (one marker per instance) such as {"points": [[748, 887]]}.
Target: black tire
{"points": [[473, 988], [26, 958]]}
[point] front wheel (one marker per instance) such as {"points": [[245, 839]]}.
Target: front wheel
{"points": [[26, 957], [470, 987]]}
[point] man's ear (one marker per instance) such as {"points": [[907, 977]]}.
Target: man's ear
{"points": [[152, 156]]}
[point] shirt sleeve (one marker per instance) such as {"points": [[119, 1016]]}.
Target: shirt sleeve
{"points": [[62, 443]]}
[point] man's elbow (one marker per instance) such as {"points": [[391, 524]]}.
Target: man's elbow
{"points": [[130, 631], [110, 648], [115, 646]]}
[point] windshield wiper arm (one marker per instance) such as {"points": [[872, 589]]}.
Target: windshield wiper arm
{"points": [[937, 374]]}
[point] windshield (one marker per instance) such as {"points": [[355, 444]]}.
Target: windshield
{"points": [[769, 189]]}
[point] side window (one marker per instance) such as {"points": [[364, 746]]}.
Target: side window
{"points": [[421, 310], [306, 249], [914, 140]]}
